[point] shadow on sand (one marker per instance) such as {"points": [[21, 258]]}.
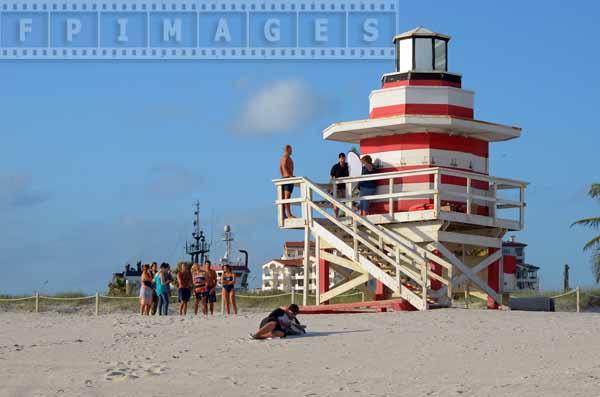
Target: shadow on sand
{"points": [[312, 334]]}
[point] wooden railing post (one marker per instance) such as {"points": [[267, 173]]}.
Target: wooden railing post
{"points": [[522, 206], [306, 267], [280, 220], [424, 286], [391, 200], [37, 302], [577, 295], [304, 195], [449, 288], [437, 202], [494, 206], [355, 240], [317, 267], [97, 302], [469, 201]]}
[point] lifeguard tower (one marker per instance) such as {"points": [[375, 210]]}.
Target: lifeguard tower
{"points": [[436, 222]]}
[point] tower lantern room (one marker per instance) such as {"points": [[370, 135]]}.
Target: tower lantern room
{"points": [[422, 50]]}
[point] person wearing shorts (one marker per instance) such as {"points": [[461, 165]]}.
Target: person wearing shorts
{"points": [[146, 291], [210, 295], [184, 280], [199, 287], [153, 273], [286, 169]]}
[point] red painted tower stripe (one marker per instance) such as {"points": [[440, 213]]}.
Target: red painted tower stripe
{"points": [[423, 109], [425, 140], [446, 179], [425, 204], [509, 264], [438, 83], [323, 278]]}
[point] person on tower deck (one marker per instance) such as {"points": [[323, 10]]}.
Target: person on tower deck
{"points": [[366, 188], [228, 283], [184, 279], [153, 272], [146, 291], [277, 323], [286, 169], [199, 281], [339, 170], [210, 296]]}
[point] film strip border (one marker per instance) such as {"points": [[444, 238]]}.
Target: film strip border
{"points": [[148, 7]]}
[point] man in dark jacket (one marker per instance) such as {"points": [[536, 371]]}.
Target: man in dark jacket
{"points": [[339, 170]]}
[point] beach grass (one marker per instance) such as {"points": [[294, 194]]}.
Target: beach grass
{"points": [[250, 301]]}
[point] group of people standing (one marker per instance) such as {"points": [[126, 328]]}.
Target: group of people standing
{"points": [[339, 170], [201, 281]]}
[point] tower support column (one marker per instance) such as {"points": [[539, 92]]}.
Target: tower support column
{"points": [[323, 278], [493, 273]]}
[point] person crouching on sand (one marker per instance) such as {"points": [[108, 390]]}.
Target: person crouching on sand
{"points": [[277, 322], [184, 279], [146, 291], [228, 293]]}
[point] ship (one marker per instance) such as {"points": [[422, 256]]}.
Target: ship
{"points": [[198, 249]]}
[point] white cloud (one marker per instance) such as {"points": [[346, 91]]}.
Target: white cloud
{"points": [[278, 107], [17, 190]]}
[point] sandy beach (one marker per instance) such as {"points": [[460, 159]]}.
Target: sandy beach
{"points": [[442, 352]]}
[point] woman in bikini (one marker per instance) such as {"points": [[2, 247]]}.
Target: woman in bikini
{"points": [[228, 283], [199, 282], [146, 291]]}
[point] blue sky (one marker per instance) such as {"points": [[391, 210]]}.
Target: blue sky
{"points": [[100, 162]]}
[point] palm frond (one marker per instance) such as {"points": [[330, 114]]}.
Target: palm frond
{"points": [[593, 222], [593, 244], [596, 265], [594, 190]]}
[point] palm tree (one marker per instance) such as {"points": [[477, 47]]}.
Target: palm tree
{"points": [[593, 223]]}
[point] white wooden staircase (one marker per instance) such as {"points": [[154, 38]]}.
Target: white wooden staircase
{"points": [[367, 251]]}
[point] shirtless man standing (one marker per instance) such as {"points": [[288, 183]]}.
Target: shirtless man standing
{"points": [[211, 288], [286, 168]]}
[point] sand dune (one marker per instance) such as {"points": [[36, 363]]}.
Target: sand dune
{"points": [[442, 352]]}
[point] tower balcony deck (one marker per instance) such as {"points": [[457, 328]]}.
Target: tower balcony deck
{"points": [[355, 131], [440, 194]]}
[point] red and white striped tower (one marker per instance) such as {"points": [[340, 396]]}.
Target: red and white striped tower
{"points": [[423, 118]]}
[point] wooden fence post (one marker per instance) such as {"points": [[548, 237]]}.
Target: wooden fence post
{"points": [[37, 302], [577, 295], [97, 302]]}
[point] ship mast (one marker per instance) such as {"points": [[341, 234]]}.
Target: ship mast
{"points": [[199, 247], [227, 238]]}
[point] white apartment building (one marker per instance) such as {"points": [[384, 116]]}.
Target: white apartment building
{"points": [[287, 273], [525, 276]]}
